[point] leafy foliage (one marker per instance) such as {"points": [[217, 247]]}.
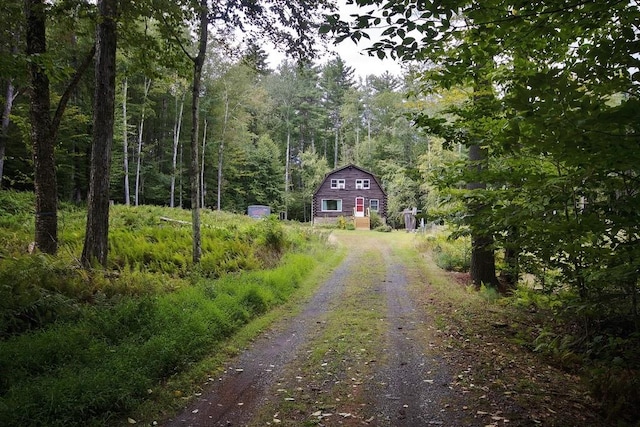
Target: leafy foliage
{"points": [[560, 182], [449, 253]]}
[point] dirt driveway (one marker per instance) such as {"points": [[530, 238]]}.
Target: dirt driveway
{"points": [[363, 351]]}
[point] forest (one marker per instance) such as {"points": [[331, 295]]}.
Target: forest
{"points": [[515, 123]]}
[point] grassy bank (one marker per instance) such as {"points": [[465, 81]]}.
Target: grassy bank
{"points": [[92, 347]]}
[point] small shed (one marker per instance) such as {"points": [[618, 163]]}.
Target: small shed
{"points": [[349, 192], [258, 211]]}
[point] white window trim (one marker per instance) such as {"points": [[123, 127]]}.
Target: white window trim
{"points": [[363, 184], [323, 204], [377, 203], [338, 184]]}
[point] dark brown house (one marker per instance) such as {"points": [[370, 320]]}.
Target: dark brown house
{"points": [[349, 192]]}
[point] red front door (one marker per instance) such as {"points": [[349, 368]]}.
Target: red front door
{"points": [[359, 206]]}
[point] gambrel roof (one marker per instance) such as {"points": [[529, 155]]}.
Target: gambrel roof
{"points": [[349, 166]]}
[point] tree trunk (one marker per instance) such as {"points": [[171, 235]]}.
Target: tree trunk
{"points": [[511, 274], [221, 147], [46, 221], [176, 140], [96, 242], [6, 120], [198, 63], [483, 268], [203, 187], [125, 143], [181, 176], [286, 174], [10, 96], [335, 150], [147, 86], [220, 154]]}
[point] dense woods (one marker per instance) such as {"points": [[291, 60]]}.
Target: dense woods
{"points": [[266, 128], [516, 123]]}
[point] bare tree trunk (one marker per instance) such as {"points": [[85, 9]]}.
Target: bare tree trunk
{"points": [[220, 154], [125, 142], [147, 86], [335, 150], [6, 120], [221, 148], [176, 140], [46, 222], [198, 63], [10, 96], [96, 243], [286, 173], [203, 189], [181, 175]]}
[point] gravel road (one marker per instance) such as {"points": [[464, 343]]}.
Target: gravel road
{"points": [[402, 382]]}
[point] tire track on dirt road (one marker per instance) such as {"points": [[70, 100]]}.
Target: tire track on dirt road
{"points": [[412, 388], [235, 396]]}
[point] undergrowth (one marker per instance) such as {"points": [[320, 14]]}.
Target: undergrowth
{"points": [[448, 253], [585, 335], [86, 347]]}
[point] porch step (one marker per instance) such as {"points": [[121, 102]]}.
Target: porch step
{"points": [[362, 223]]}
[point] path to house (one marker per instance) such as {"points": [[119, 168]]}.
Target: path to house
{"points": [[363, 351]]}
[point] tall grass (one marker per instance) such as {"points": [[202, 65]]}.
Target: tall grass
{"points": [[85, 347], [449, 254]]}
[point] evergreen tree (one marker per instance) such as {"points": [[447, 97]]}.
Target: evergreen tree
{"points": [[335, 80]]}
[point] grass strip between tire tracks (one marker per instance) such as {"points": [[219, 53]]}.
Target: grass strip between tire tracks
{"points": [[326, 384]]}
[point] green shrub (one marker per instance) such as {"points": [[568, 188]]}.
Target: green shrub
{"points": [[341, 223], [617, 388], [273, 234], [449, 254], [376, 221], [36, 290], [14, 203]]}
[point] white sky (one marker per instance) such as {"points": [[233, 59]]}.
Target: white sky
{"points": [[351, 53]]}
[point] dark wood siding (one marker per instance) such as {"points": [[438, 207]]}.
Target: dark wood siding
{"points": [[348, 195]]}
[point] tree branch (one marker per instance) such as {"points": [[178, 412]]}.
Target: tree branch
{"points": [[177, 39], [62, 105]]}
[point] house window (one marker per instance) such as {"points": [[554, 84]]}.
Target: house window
{"points": [[337, 184], [331, 205], [374, 205], [363, 184]]}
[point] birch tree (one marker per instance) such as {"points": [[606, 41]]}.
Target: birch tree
{"points": [[178, 94], [125, 141], [146, 88], [11, 35]]}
